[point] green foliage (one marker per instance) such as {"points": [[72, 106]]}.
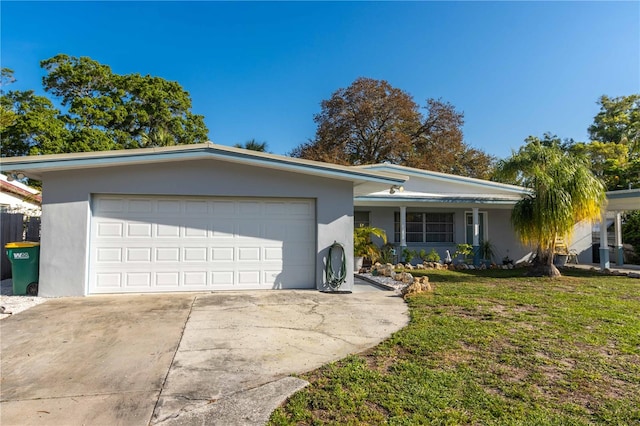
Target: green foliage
{"points": [[35, 127], [387, 253], [492, 348], [464, 250], [611, 162], [563, 192], [253, 145], [102, 111], [363, 246], [432, 256], [631, 230], [408, 255], [618, 122], [487, 250], [373, 122]]}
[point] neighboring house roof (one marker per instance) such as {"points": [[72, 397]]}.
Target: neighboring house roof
{"points": [[427, 188], [628, 199], [365, 181], [20, 191]]}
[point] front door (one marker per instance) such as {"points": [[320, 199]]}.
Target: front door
{"points": [[469, 227]]}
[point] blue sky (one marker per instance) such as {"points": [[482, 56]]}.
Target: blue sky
{"points": [[260, 70]]}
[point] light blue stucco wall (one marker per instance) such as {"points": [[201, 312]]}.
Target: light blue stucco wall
{"points": [[66, 210], [499, 230]]}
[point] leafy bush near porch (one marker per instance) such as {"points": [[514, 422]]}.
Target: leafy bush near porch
{"points": [[492, 347]]}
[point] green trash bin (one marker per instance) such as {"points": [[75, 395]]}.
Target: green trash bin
{"points": [[25, 266]]}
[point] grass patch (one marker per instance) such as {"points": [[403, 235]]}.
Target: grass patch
{"points": [[491, 348]]}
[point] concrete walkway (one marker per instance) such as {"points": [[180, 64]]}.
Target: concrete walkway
{"points": [[179, 359], [627, 269]]}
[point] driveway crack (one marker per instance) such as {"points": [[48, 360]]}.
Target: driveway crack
{"points": [[166, 376]]}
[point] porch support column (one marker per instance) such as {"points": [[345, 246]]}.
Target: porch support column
{"points": [[619, 249], [604, 244], [476, 237], [403, 227]]}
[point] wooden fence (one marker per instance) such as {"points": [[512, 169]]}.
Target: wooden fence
{"points": [[16, 227]]}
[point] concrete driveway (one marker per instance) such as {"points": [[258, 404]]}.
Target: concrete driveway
{"points": [[214, 358]]}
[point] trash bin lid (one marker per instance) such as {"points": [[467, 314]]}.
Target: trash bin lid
{"points": [[21, 244]]}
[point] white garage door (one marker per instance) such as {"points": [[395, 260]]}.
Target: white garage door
{"points": [[156, 244]]}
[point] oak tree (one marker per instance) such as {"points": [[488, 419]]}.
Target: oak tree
{"points": [[101, 110], [373, 122]]}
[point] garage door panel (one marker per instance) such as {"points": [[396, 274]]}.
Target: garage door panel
{"points": [[248, 254], [197, 229], [222, 279], [110, 229], [301, 209], [167, 254], [138, 279], [169, 207], [110, 205], [140, 206], [248, 229], [195, 278], [111, 280], [223, 228], [195, 254], [192, 244], [246, 278], [138, 230], [275, 209], [196, 208], [169, 280], [222, 254], [167, 230], [109, 255], [223, 209], [138, 254], [271, 254]]}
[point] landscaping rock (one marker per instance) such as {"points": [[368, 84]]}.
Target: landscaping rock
{"points": [[420, 285], [407, 278]]}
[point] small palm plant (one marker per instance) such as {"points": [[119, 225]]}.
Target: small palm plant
{"points": [[362, 244]]}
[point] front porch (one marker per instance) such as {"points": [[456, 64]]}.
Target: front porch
{"points": [[617, 203]]}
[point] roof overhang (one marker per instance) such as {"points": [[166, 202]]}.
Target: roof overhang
{"points": [[628, 199], [432, 200], [364, 181], [445, 177]]}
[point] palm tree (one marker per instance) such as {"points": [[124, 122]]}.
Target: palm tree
{"points": [[253, 145], [362, 244], [157, 137], [563, 192]]}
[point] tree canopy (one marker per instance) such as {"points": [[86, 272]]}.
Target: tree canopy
{"points": [[373, 122], [616, 129], [101, 110], [564, 191]]}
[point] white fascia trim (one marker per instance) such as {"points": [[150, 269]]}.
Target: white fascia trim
{"points": [[64, 162], [445, 200], [624, 193]]}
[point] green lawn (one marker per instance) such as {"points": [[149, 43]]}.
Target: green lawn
{"points": [[492, 347]]}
